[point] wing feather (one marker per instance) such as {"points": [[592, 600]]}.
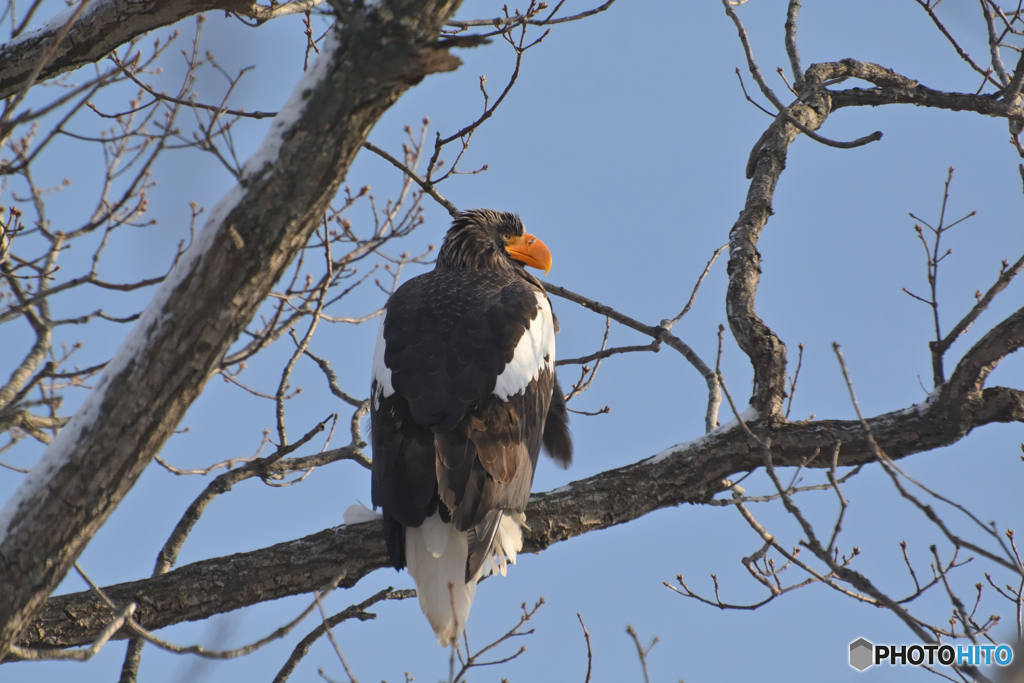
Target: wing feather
{"points": [[469, 356]]}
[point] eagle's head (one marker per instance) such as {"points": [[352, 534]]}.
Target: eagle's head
{"points": [[486, 239]]}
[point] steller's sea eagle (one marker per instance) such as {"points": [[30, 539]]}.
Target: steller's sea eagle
{"points": [[463, 396]]}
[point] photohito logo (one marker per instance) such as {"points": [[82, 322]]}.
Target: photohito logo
{"points": [[863, 654]]}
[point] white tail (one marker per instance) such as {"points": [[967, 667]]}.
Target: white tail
{"points": [[437, 554]]}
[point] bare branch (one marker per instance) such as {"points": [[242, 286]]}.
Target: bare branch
{"points": [[792, 12], [590, 653], [164, 97], [215, 292], [641, 651], [994, 43], [354, 612], [426, 185], [519, 19], [692, 472], [112, 23], [930, 9], [1005, 276]]}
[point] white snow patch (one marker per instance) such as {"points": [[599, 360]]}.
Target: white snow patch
{"points": [[748, 415], [267, 154], [54, 23], [357, 513], [666, 453], [558, 491], [923, 405], [536, 350]]}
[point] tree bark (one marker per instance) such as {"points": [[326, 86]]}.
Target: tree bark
{"points": [[204, 304], [690, 473]]}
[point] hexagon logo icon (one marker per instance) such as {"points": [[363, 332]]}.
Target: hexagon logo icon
{"points": [[861, 654]]}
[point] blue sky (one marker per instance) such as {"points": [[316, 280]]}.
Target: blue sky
{"points": [[623, 147]]}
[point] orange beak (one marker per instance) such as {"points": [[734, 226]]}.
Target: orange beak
{"points": [[530, 251]]}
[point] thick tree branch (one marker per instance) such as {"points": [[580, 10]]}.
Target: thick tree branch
{"points": [[1002, 340], [893, 88], [222, 584], [767, 161], [689, 473], [210, 296], [766, 351]]}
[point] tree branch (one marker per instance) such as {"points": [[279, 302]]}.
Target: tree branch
{"points": [[688, 473], [106, 25], [1003, 339], [211, 294], [893, 88]]}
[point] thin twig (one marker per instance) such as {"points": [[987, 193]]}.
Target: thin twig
{"points": [[330, 636], [929, 8], [783, 110], [353, 612], [641, 651], [189, 103], [590, 653], [426, 185]]}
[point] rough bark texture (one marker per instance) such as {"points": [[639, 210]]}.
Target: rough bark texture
{"points": [[767, 162], [381, 53], [766, 351], [693, 473], [197, 591], [892, 88]]}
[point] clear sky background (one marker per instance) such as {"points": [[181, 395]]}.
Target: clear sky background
{"points": [[623, 147]]}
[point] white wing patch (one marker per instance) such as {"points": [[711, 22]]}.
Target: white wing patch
{"points": [[535, 351], [381, 372]]}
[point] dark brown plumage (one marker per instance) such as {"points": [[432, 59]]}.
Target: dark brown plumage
{"points": [[464, 395]]}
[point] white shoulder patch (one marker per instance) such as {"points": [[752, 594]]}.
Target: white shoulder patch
{"points": [[536, 350], [381, 372]]}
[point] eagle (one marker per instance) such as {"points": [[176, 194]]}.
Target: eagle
{"points": [[463, 397]]}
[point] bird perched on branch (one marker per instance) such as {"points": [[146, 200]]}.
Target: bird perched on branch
{"points": [[464, 395]]}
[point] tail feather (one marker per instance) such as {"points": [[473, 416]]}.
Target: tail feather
{"points": [[481, 540], [435, 535], [438, 558], [444, 594], [508, 540]]}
